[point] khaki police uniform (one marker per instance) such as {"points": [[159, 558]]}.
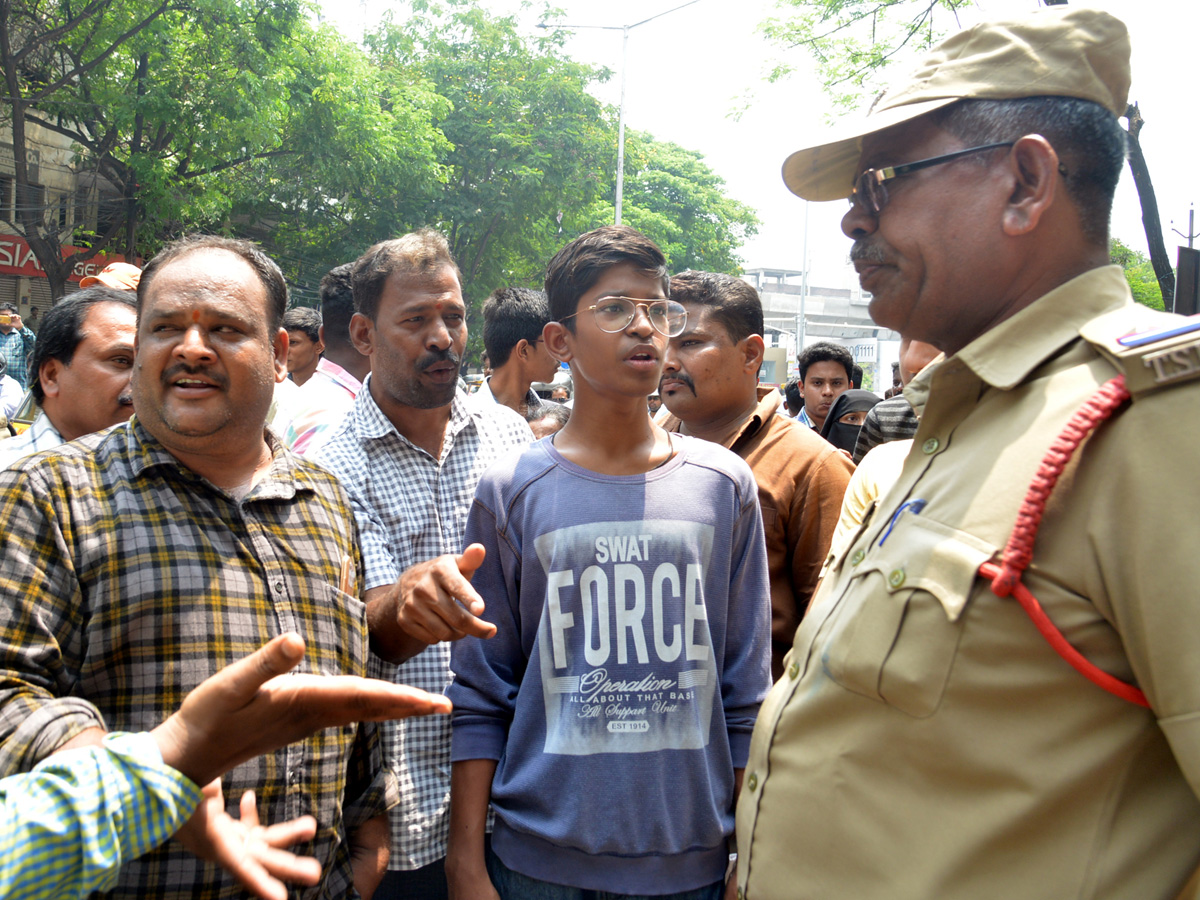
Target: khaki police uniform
{"points": [[925, 742]]}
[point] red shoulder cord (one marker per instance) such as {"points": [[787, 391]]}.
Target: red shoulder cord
{"points": [[1006, 577]]}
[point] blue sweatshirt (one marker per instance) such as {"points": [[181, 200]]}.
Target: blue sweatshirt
{"points": [[631, 655]]}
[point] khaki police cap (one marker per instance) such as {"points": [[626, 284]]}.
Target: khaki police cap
{"points": [[1081, 53]]}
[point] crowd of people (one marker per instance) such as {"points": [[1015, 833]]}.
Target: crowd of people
{"points": [[763, 644]]}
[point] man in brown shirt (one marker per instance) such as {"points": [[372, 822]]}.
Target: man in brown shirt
{"points": [[710, 386]]}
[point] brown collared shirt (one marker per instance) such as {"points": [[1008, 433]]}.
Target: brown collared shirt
{"points": [[801, 480]]}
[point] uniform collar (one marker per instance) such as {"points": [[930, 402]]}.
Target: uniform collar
{"points": [[1004, 355]]}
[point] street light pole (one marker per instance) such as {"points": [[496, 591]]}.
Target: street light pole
{"points": [[621, 124], [624, 29]]}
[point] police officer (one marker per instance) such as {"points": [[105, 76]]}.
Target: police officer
{"points": [[927, 739]]}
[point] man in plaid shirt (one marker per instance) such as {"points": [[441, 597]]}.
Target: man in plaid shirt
{"points": [[410, 454], [142, 560]]}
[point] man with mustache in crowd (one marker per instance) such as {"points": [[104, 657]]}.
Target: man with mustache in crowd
{"points": [[710, 386], [81, 367], [142, 560], [410, 454]]}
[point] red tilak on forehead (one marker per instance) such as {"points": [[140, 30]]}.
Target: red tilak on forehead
{"points": [[195, 315], [439, 306]]}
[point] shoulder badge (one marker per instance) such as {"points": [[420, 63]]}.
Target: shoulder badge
{"points": [[1158, 357]]}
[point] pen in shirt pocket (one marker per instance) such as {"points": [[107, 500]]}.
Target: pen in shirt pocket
{"points": [[347, 580], [913, 506]]}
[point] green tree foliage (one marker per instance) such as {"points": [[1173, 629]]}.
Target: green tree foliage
{"points": [[1139, 272], [248, 117], [529, 144], [365, 163], [51, 53], [853, 41], [674, 198], [215, 114]]}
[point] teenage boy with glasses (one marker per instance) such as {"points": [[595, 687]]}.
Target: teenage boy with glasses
{"points": [[607, 721]]}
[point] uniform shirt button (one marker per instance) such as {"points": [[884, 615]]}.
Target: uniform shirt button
{"points": [[896, 578], [859, 556], [931, 445], [752, 783], [279, 587], [793, 670]]}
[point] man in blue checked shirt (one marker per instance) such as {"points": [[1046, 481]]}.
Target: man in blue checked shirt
{"points": [[409, 455], [16, 343], [67, 826]]}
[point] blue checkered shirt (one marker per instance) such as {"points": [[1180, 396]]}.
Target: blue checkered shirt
{"points": [[17, 349], [411, 508], [68, 826]]}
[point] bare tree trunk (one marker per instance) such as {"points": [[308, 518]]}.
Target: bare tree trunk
{"points": [[1150, 220], [135, 147], [30, 218]]}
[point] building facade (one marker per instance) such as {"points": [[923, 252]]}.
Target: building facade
{"points": [[797, 314], [68, 200]]}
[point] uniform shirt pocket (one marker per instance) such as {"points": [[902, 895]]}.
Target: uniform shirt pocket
{"points": [[895, 638]]}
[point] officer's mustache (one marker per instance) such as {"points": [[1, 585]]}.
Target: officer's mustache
{"points": [[864, 252]]}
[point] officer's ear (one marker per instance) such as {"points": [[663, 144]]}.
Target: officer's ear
{"points": [[1035, 175]]}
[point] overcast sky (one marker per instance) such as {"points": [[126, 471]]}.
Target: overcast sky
{"points": [[690, 69]]}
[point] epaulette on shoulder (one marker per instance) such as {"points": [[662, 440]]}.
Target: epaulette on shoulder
{"points": [[1154, 358]]}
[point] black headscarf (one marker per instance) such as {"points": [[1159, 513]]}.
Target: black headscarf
{"points": [[846, 436]]}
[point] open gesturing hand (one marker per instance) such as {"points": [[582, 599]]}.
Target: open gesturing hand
{"points": [[251, 852]]}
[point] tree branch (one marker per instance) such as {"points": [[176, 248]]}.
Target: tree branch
{"points": [[913, 29], [229, 164], [83, 69], [853, 20]]}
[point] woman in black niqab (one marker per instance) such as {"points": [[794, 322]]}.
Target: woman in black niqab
{"points": [[852, 406]]}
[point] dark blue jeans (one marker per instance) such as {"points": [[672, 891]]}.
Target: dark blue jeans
{"points": [[512, 885]]}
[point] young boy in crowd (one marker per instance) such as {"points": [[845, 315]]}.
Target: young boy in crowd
{"points": [[608, 720]]}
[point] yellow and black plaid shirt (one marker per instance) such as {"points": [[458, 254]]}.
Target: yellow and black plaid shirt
{"points": [[127, 580]]}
